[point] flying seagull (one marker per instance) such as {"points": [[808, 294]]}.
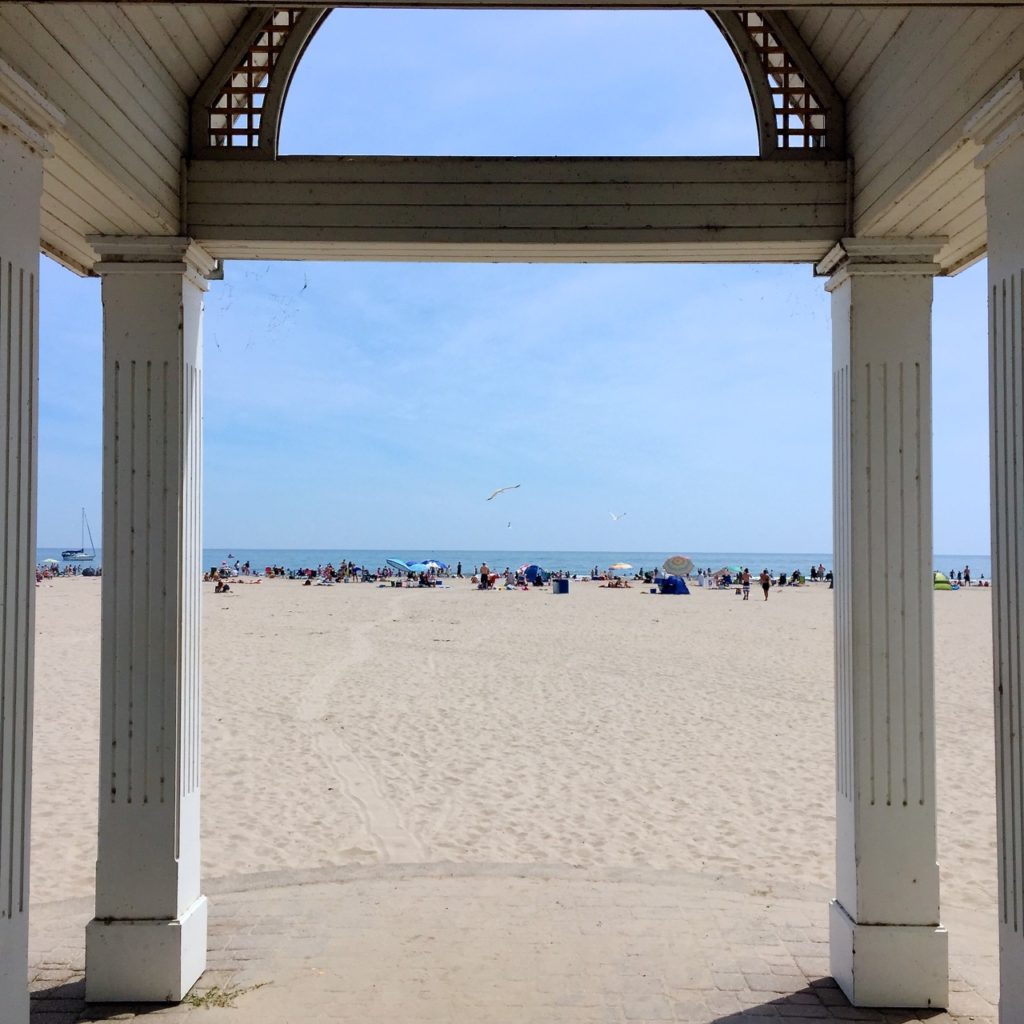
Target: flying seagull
{"points": [[502, 490], [615, 517]]}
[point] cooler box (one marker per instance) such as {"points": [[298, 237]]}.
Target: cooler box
{"points": [[559, 586]]}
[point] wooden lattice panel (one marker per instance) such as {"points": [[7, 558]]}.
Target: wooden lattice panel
{"points": [[800, 116], [236, 115]]}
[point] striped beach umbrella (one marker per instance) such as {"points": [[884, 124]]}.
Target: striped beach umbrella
{"points": [[678, 565]]}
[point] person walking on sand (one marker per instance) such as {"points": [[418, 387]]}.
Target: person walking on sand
{"points": [[745, 580], [766, 582]]}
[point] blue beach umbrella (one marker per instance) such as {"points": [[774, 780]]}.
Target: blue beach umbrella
{"points": [[397, 563]]}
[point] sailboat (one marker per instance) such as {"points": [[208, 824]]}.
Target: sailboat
{"points": [[80, 554]]}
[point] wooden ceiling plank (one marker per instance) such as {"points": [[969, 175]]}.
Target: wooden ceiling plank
{"points": [[154, 31], [41, 58], [919, 53], [180, 35], [982, 64], [77, 189], [202, 28], [60, 243], [162, 124], [137, 51]]}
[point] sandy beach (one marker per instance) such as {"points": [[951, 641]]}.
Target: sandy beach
{"points": [[357, 725]]}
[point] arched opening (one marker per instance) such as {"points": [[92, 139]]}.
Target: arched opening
{"points": [[643, 83]]}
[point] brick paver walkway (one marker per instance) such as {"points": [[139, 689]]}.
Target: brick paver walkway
{"points": [[470, 944]]}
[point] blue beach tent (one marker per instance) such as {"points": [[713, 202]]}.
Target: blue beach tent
{"points": [[673, 585]]}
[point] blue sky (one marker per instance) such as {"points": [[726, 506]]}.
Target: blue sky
{"points": [[376, 405]]}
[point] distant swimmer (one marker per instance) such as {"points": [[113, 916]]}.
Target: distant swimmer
{"points": [[615, 517], [502, 490], [510, 526]]}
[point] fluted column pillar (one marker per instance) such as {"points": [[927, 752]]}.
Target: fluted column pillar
{"points": [[148, 939], [887, 944], [998, 127], [25, 120]]}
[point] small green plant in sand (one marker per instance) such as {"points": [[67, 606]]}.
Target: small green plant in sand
{"points": [[220, 997]]}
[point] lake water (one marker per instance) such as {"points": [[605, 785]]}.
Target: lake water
{"points": [[570, 561]]}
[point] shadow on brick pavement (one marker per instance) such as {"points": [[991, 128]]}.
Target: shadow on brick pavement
{"points": [[505, 944]]}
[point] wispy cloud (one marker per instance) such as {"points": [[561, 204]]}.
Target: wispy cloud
{"points": [[368, 404]]}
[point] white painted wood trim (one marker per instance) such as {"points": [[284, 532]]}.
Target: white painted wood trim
{"points": [[998, 122], [424, 203], [879, 257], [25, 112]]}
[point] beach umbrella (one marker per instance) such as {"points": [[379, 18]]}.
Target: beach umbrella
{"points": [[678, 565], [433, 563], [50, 562], [397, 563], [620, 565], [728, 570]]}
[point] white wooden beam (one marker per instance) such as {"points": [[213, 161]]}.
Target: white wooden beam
{"points": [[671, 209]]}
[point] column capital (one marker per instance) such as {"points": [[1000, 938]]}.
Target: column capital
{"points": [[879, 257], [153, 254], [998, 120], [26, 113]]}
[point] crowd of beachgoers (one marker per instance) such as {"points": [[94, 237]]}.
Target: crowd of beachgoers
{"points": [[430, 572], [434, 573], [52, 569]]}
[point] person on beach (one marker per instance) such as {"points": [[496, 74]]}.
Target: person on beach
{"points": [[485, 576], [967, 575], [458, 570], [745, 581], [766, 582]]}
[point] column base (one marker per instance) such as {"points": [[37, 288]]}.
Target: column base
{"points": [[14, 969], [889, 965], [145, 961]]}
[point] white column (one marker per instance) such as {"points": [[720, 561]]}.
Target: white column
{"points": [[999, 127], [148, 939], [25, 119], [887, 945]]}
